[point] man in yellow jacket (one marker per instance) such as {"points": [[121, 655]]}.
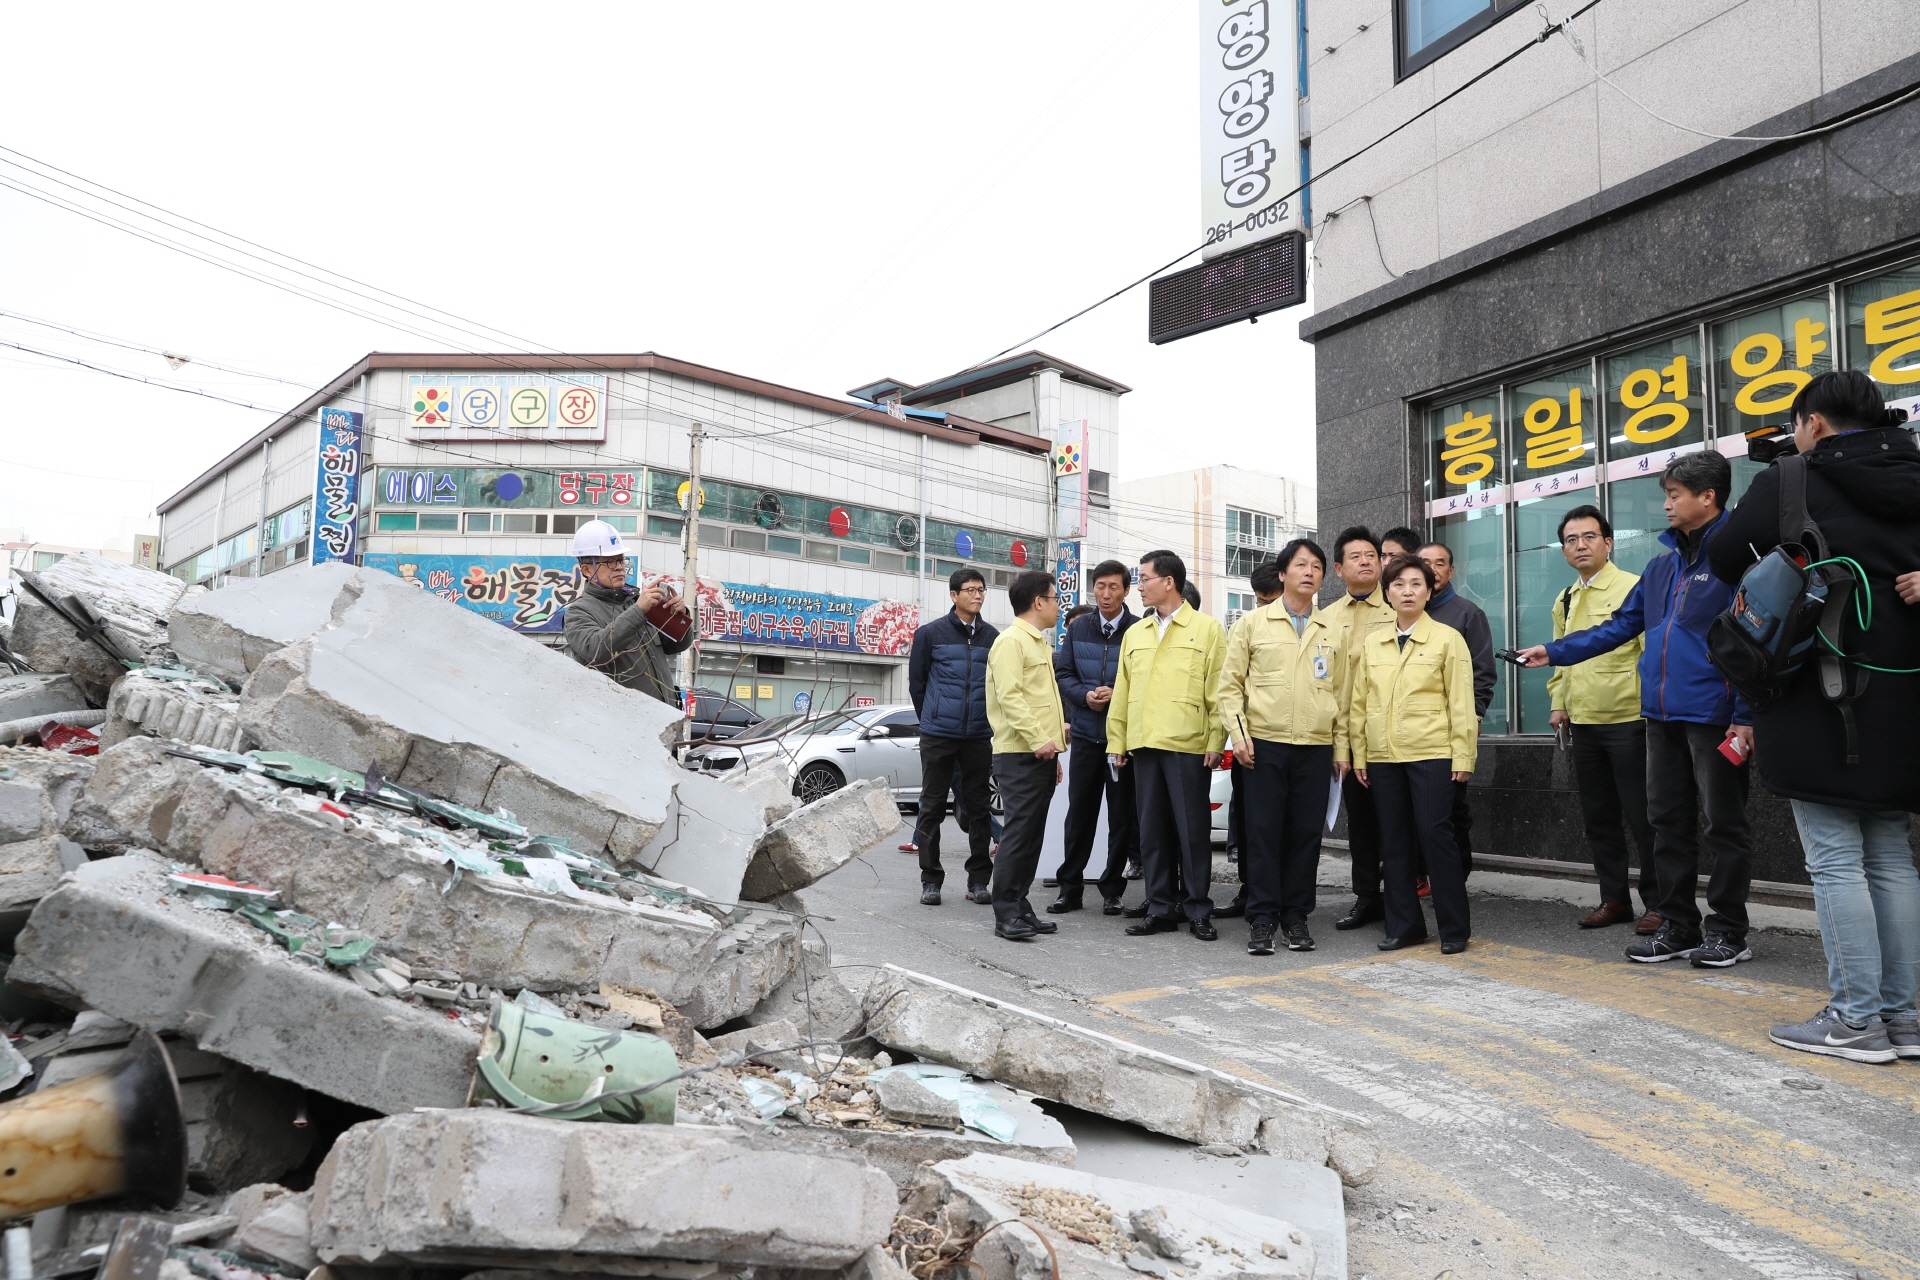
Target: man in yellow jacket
{"points": [[1361, 610], [1164, 722], [1029, 731], [1599, 702], [1281, 705]]}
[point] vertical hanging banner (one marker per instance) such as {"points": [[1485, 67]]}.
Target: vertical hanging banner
{"points": [[336, 489], [1066, 585], [1070, 479], [1249, 122]]}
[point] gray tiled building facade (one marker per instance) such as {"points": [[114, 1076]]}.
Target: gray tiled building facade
{"points": [[1566, 290]]}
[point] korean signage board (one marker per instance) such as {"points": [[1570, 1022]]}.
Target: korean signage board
{"points": [[487, 487], [1070, 479], [336, 490], [506, 406], [1066, 585], [531, 593], [1249, 122]]}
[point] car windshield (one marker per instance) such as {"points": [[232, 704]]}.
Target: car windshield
{"points": [[836, 722], [779, 724]]}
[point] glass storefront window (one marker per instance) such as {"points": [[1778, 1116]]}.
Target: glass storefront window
{"points": [[1638, 509], [1655, 402], [1761, 361], [1465, 465], [1883, 330], [1552, 433], [1540, 574], [1477, 540]]}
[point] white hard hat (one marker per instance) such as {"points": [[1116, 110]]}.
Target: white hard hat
{"points": [[597, 538]]}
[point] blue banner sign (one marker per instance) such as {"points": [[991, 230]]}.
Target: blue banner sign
{"points": [[336, 489]]}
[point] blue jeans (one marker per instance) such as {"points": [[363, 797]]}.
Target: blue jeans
{"points": [[1867, 892]]}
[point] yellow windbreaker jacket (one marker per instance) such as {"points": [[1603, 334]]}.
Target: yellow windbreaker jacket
{"points": [[1281, 687], [1415, 703], [1352, 621], [1023, 698], [1166, 695], [1606, 689]]}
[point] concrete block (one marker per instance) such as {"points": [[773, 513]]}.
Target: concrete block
{"points": [[1172, 1231], [751, 959], [902, 1153], [114, 936], [708, 839], [196, 712], [129, 798], [456, 705], [994, 1040], [475, 1188], [820, 838], [62, 779], [135, 602], [240, 1122], [765, 788], [34, 694], [813, 999], [368, 872], [907, 1101], [33, 803], [230, 632], [281, 1231]]}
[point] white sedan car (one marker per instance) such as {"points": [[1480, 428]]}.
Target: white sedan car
{"points": [[823, 753], [1219, 793]]}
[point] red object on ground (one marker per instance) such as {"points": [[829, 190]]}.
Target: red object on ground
{"points": [[327, 806], [73, 741], [1422, 888]]}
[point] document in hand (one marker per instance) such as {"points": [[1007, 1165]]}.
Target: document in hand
{"points": [[1333, 801]]}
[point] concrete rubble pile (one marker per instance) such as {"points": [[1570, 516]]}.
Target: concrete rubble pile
{"points": [[459, 969]]}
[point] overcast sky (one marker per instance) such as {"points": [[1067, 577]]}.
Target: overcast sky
{"points": [[816, 195]]}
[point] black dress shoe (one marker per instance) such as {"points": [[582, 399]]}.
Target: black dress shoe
{"points": [[1235, 909], [1015, 930], [929, 895], [1153, 924], [1405, 940], [1452, 948], [1204, 930], [980, 893], [1041, 926], [1063, 904], [1110, 907], [1363, 911], [1135, 913], [1133, 871]]}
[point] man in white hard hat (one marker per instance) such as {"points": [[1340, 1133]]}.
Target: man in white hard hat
{"points": [[606, 625]]}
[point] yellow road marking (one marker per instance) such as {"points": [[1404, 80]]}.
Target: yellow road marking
{"points": [[1703, 1146], [1120, 999]]}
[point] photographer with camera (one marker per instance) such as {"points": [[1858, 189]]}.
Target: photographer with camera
{"points": [[1862, 491]]}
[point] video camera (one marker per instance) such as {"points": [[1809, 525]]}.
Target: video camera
{"points": [[1770, 444]]}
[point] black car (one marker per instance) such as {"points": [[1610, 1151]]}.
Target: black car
{"points": [[719, 717]]}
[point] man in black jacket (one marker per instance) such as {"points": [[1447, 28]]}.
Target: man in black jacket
{"points": [[1863, 491], [1086, 666], [947, 678], [1470, 620]]}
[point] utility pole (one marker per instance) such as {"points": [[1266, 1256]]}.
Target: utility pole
{"points": [[690, 579]]}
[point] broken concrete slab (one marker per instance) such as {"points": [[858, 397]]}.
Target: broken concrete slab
{"points": [[1166, 1233], [281, 1231], [32, 694], [904, 1100], [1309, 1196], [241, 1123], [200, 712], [819, 838], [707, 840], [35, 801], [751, 958], [116, 937], [478, 1188], [133, 601], [813, 999], [765, 787], [1097, 1072], [230, 632], [128, 801], [455, 705]]}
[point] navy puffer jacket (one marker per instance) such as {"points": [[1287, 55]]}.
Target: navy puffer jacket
{"points": [[1085, 663], [947, 676]]}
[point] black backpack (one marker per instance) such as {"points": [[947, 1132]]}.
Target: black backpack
{"points": [[1789, 607]]}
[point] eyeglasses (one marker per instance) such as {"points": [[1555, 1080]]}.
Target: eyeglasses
{"points": [[972, 589], [1146, 578], [1580, 539]]}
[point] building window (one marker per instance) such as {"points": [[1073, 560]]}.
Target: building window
{"points": [[439, 522], [516, 522], [1099, 489], [855, 555], [397, 522], [1251, 539], [478, 522], [749, 540], [1431, 28], [621, 524], [822, 551], [780, 544], [661, 527], [890, 562]]}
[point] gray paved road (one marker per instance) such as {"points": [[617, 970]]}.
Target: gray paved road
{"points": [[1548, 1108]]}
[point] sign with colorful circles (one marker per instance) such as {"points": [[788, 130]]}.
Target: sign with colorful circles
{"points": [[432, 406], [473, 406]]}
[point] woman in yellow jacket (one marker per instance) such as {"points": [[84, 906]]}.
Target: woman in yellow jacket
{"points": [[1413, 735]]}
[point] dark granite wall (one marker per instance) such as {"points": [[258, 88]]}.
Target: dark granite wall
{"points": [[1716, 230]]}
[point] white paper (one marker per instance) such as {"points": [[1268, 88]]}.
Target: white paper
{"points": [[1333, 801]]}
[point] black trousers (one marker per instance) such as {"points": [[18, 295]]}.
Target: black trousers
{"points": [[1463, 828], [1610, 767], [1363, 836], [1415, 802], [1176, 831], [1089, 784], [1685, 773], [1286, 801], [1237, 813], [1026, 792], [939, 759]]}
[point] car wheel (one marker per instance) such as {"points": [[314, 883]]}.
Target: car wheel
{"points": [[817, 780], [994, 806]]}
